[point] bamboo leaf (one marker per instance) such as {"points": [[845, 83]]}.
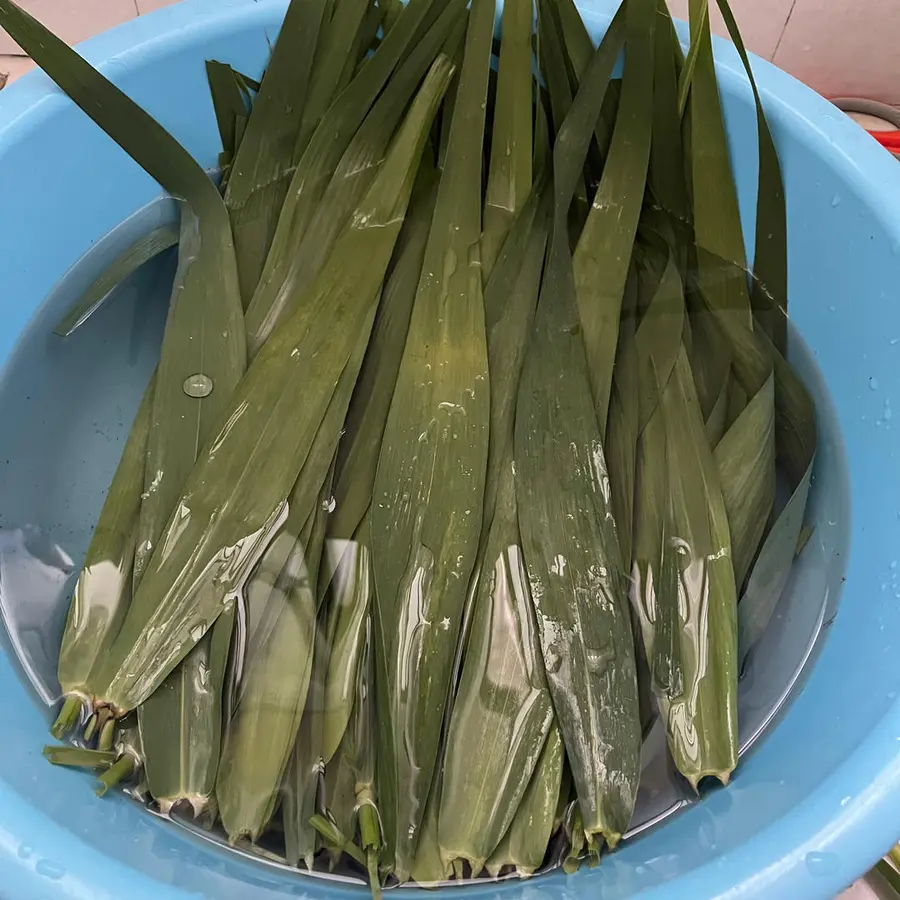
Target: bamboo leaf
{"points": [[350, 598], [355, 171], [144, 249], [502, 711], [699, 21], [571, 547], [722, 284], [604, 249], [202, 358], [103, 590], [429, 486], [772, 569], [229, 105], [768, 295], [623, 423], [273, 695], [362, 42], [316, 167], [701, 719], [509, 177], [137, 133], [334, 48], [349, 775], [205, 305], [428, 868], [667, 170], [181, 724], [795, 436], [300, 786], [263, 164], [579, 49], [744, 457], [502, 696], [578, 43], [524, 845], [215, 537], [653, 565], [510, 298], [553, 63], [371, 401]]}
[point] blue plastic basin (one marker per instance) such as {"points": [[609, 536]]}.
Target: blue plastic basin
{"points": [[814, 804]]}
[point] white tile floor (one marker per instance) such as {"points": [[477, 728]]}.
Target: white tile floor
{"points": [[839, 47]]}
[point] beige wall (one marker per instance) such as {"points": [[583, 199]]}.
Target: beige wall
{"points": [[839, 47]]}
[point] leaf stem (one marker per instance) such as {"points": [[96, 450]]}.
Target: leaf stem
{"points": [[107, 734], [335, 838], [67, 718], [78, 757], [119, 771]]}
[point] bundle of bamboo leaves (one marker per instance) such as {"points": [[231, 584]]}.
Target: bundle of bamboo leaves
{"points": [[459, 464]]}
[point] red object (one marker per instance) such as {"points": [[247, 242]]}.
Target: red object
{"points": [[888, 139]]}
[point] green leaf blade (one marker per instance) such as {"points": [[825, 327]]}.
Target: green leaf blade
{"points": [[206, 553], [509, 177], [604, 249], [427, 513]]}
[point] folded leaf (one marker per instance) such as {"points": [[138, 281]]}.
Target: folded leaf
{"points": [[181, 725], [524, 845], [351, 595], [701, 711], [272, 697], [502, 711]]}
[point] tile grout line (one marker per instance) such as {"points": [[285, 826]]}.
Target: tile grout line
{"points": [[787, 22]]}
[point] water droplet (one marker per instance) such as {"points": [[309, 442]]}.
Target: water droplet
{"points": [[26, 851], [893, 564], [821, 863], [198, 385], [836, 200], [50, 869], [888, 414], [873, 383]]}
